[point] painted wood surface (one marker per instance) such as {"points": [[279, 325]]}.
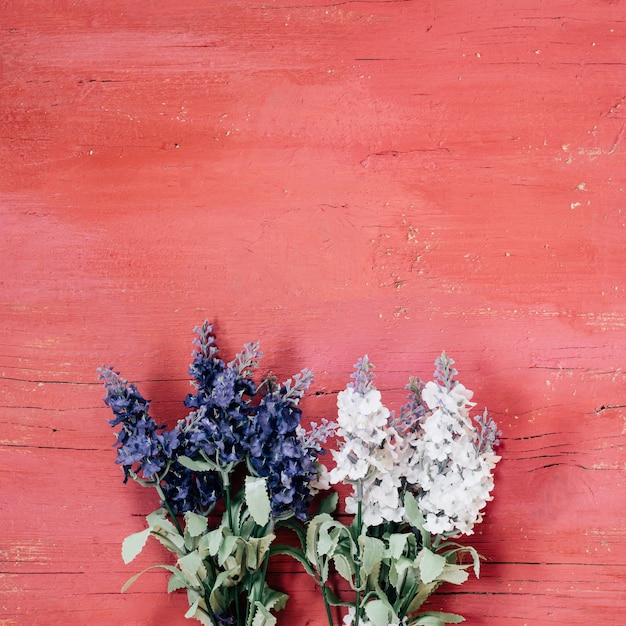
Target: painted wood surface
{"points": [[332, 178]]}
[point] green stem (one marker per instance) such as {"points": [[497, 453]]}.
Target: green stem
{"points": [[359, 527], [329, 615], [169, 508], [227, 497], [266, 560]]}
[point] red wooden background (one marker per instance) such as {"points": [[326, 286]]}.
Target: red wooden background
{"points": [[331, 178]]}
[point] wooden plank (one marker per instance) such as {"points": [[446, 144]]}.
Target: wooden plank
{"points": [[333, 179]]}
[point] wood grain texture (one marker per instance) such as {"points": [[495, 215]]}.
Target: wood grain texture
{"points": [[331, 178]]}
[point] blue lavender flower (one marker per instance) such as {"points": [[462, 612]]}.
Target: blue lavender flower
{"points": [[279, 453], [186, 490], [220, 427], [219, 385], [226, 427], [141, 448]]}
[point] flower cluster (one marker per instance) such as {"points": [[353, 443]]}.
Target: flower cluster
{"points": [[278, 451], [418, 480], [241, 444], [433, 450], [367, 460], [225, 427], [450, 464], [141, 447]]}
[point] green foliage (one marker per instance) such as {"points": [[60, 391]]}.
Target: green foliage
{"points": [[222, 566], [392, 568]]}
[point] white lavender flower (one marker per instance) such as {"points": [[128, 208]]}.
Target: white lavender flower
{"points": [[449, 468], [367, 458]]}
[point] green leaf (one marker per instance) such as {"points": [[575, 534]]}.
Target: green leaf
{"points": [[197, 466], [312, 534], [192, 568], [423, 591], [199, 612], [397, 543], [130, 581], [430, 565], [133, 545], [229, 546], [329, 504], [262, 617], [258, 500], [218, 599], [334, 599], [273, 599], [429, 620], [433, 618], [294, 553], [214, 540], [454, 574], [256, 549], [401, 570], [328, 537], [415, 517], [371, 553], [163, 530], [452, 555], [195, 524], [345, 567], [377, 612], [475, 558], [176, 581]]}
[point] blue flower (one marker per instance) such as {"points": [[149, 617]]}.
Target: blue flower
{"points": [[141, 448], [278, 451], [186, 490], [226, 427], [219, 428]]}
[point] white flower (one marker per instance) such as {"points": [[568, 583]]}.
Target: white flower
{"points": [[362, 415], [450, 477], [368, 459], [455, 400]]}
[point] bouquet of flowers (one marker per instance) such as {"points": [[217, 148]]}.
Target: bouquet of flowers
{"points": [[240, 457], [418, 481], [240, 465]]}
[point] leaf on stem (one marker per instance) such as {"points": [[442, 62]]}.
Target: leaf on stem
{"points": [[262, 617], [195, 524], [377, 612], [430, 565], [133, 545], [197, 466], [258, 500]]}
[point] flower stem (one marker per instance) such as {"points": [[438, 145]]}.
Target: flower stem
{"points": [[226, 484], [329, 615], [359, 528], [169, 509]]}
